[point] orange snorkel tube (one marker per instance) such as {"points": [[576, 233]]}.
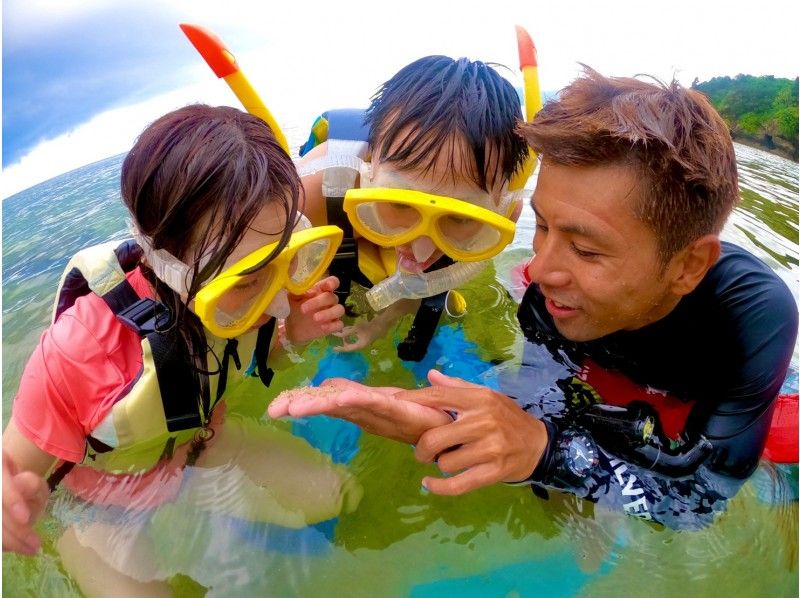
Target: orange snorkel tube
{"points": [[529, 66], [224, 65]]}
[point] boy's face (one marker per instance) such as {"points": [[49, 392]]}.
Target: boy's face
{"points": [[596, 264], [441, 179]]}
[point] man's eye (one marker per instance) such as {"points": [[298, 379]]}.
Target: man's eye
{"points": [[583, 252]]}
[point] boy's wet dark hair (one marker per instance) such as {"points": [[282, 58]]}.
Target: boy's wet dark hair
{"points": [[458, 110]]}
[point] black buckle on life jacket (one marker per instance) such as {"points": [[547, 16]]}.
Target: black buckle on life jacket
{"points": [[415, 346], [145, 316], [348, 250]]}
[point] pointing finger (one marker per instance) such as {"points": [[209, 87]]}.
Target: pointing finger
{"points": [[438, 378], [471, 479]]}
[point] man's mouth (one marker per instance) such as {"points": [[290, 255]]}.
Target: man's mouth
{"points": [[558, 309]]}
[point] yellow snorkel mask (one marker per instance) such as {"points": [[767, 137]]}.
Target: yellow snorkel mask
{"points": [[461, 230], [231, 303]]}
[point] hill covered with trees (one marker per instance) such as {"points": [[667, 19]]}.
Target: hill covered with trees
{"points": [[760, 111]]}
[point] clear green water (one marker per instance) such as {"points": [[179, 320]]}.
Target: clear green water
{"points": [[401, 541]]}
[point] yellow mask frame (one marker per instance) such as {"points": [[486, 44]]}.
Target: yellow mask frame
{"points": [[430, 209], [207, 299]]}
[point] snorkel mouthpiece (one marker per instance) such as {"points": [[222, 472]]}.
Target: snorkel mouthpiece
{"points": [[404, 285]]}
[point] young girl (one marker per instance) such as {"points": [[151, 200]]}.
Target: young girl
{"points": [[124, 389]]}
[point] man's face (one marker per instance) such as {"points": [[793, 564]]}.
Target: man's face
{"points": [[596, 264]]}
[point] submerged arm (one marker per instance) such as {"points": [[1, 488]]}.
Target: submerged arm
{"points": [[681, 490]]}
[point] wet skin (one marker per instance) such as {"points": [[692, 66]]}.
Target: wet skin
{"points": [[595, 262]]}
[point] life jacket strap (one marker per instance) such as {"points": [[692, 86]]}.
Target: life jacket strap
{"points": [[262, 352], [176, 382], [345, 263], [419, 337], [59, 473], [151, 320], [229, 352], [144, 316]]}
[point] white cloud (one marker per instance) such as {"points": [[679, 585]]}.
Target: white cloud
{"points": [[316, 55], [107, 134]]}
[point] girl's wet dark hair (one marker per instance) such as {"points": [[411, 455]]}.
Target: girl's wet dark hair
{"points": [[436, 104], [194, 181]]}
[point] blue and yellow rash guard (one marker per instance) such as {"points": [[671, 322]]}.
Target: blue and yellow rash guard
{"points": [[723, 352]]}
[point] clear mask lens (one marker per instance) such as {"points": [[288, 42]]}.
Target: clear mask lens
{"points": [[388, 218], [305, 265], [467, 234], [239, 302]]}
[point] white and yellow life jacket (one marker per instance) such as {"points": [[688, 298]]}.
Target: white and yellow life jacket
{"points": [[166, 402]]}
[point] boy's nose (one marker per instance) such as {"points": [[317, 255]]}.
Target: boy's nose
{"points": [[422, 248]]}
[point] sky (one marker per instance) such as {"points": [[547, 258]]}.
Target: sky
{"points": [[82, 78]]}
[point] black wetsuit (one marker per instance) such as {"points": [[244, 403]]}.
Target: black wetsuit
{"points": [[726, 348]]}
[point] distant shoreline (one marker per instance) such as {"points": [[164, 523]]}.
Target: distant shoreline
{"points": [[778, 151]]}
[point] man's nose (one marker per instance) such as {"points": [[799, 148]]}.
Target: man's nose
{"points": [[545, 268]]}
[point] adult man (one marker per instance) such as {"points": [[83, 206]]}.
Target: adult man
{"points": [[629, 276]]}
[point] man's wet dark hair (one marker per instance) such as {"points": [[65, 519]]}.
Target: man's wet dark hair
{"points": [[672, 137], [438, 108]]}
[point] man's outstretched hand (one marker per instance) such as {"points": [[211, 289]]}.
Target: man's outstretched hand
{"points": [[375, 409], [491, 440]]}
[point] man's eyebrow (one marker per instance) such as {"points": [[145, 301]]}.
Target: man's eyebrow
{"points": [[572, 229]]}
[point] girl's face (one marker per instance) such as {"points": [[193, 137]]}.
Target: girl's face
{"points": [[266, 228]]}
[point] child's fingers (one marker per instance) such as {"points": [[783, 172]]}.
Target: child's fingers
{"points": [[18, 538], [318, 302], [332, 326], [326, 285], [331, 313]]}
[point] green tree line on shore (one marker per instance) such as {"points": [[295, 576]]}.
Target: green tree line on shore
{"points": [[759, 110]]}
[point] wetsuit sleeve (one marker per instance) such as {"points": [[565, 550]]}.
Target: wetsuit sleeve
{"points": [[688, 502]]}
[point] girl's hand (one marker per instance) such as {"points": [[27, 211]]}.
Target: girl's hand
{"points": [[24, 498], [316, 313]]}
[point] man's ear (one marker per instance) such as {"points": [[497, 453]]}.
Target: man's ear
{"points": [[691, 264]]}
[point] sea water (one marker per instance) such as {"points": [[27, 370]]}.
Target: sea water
{"points": [[397, 540]]}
